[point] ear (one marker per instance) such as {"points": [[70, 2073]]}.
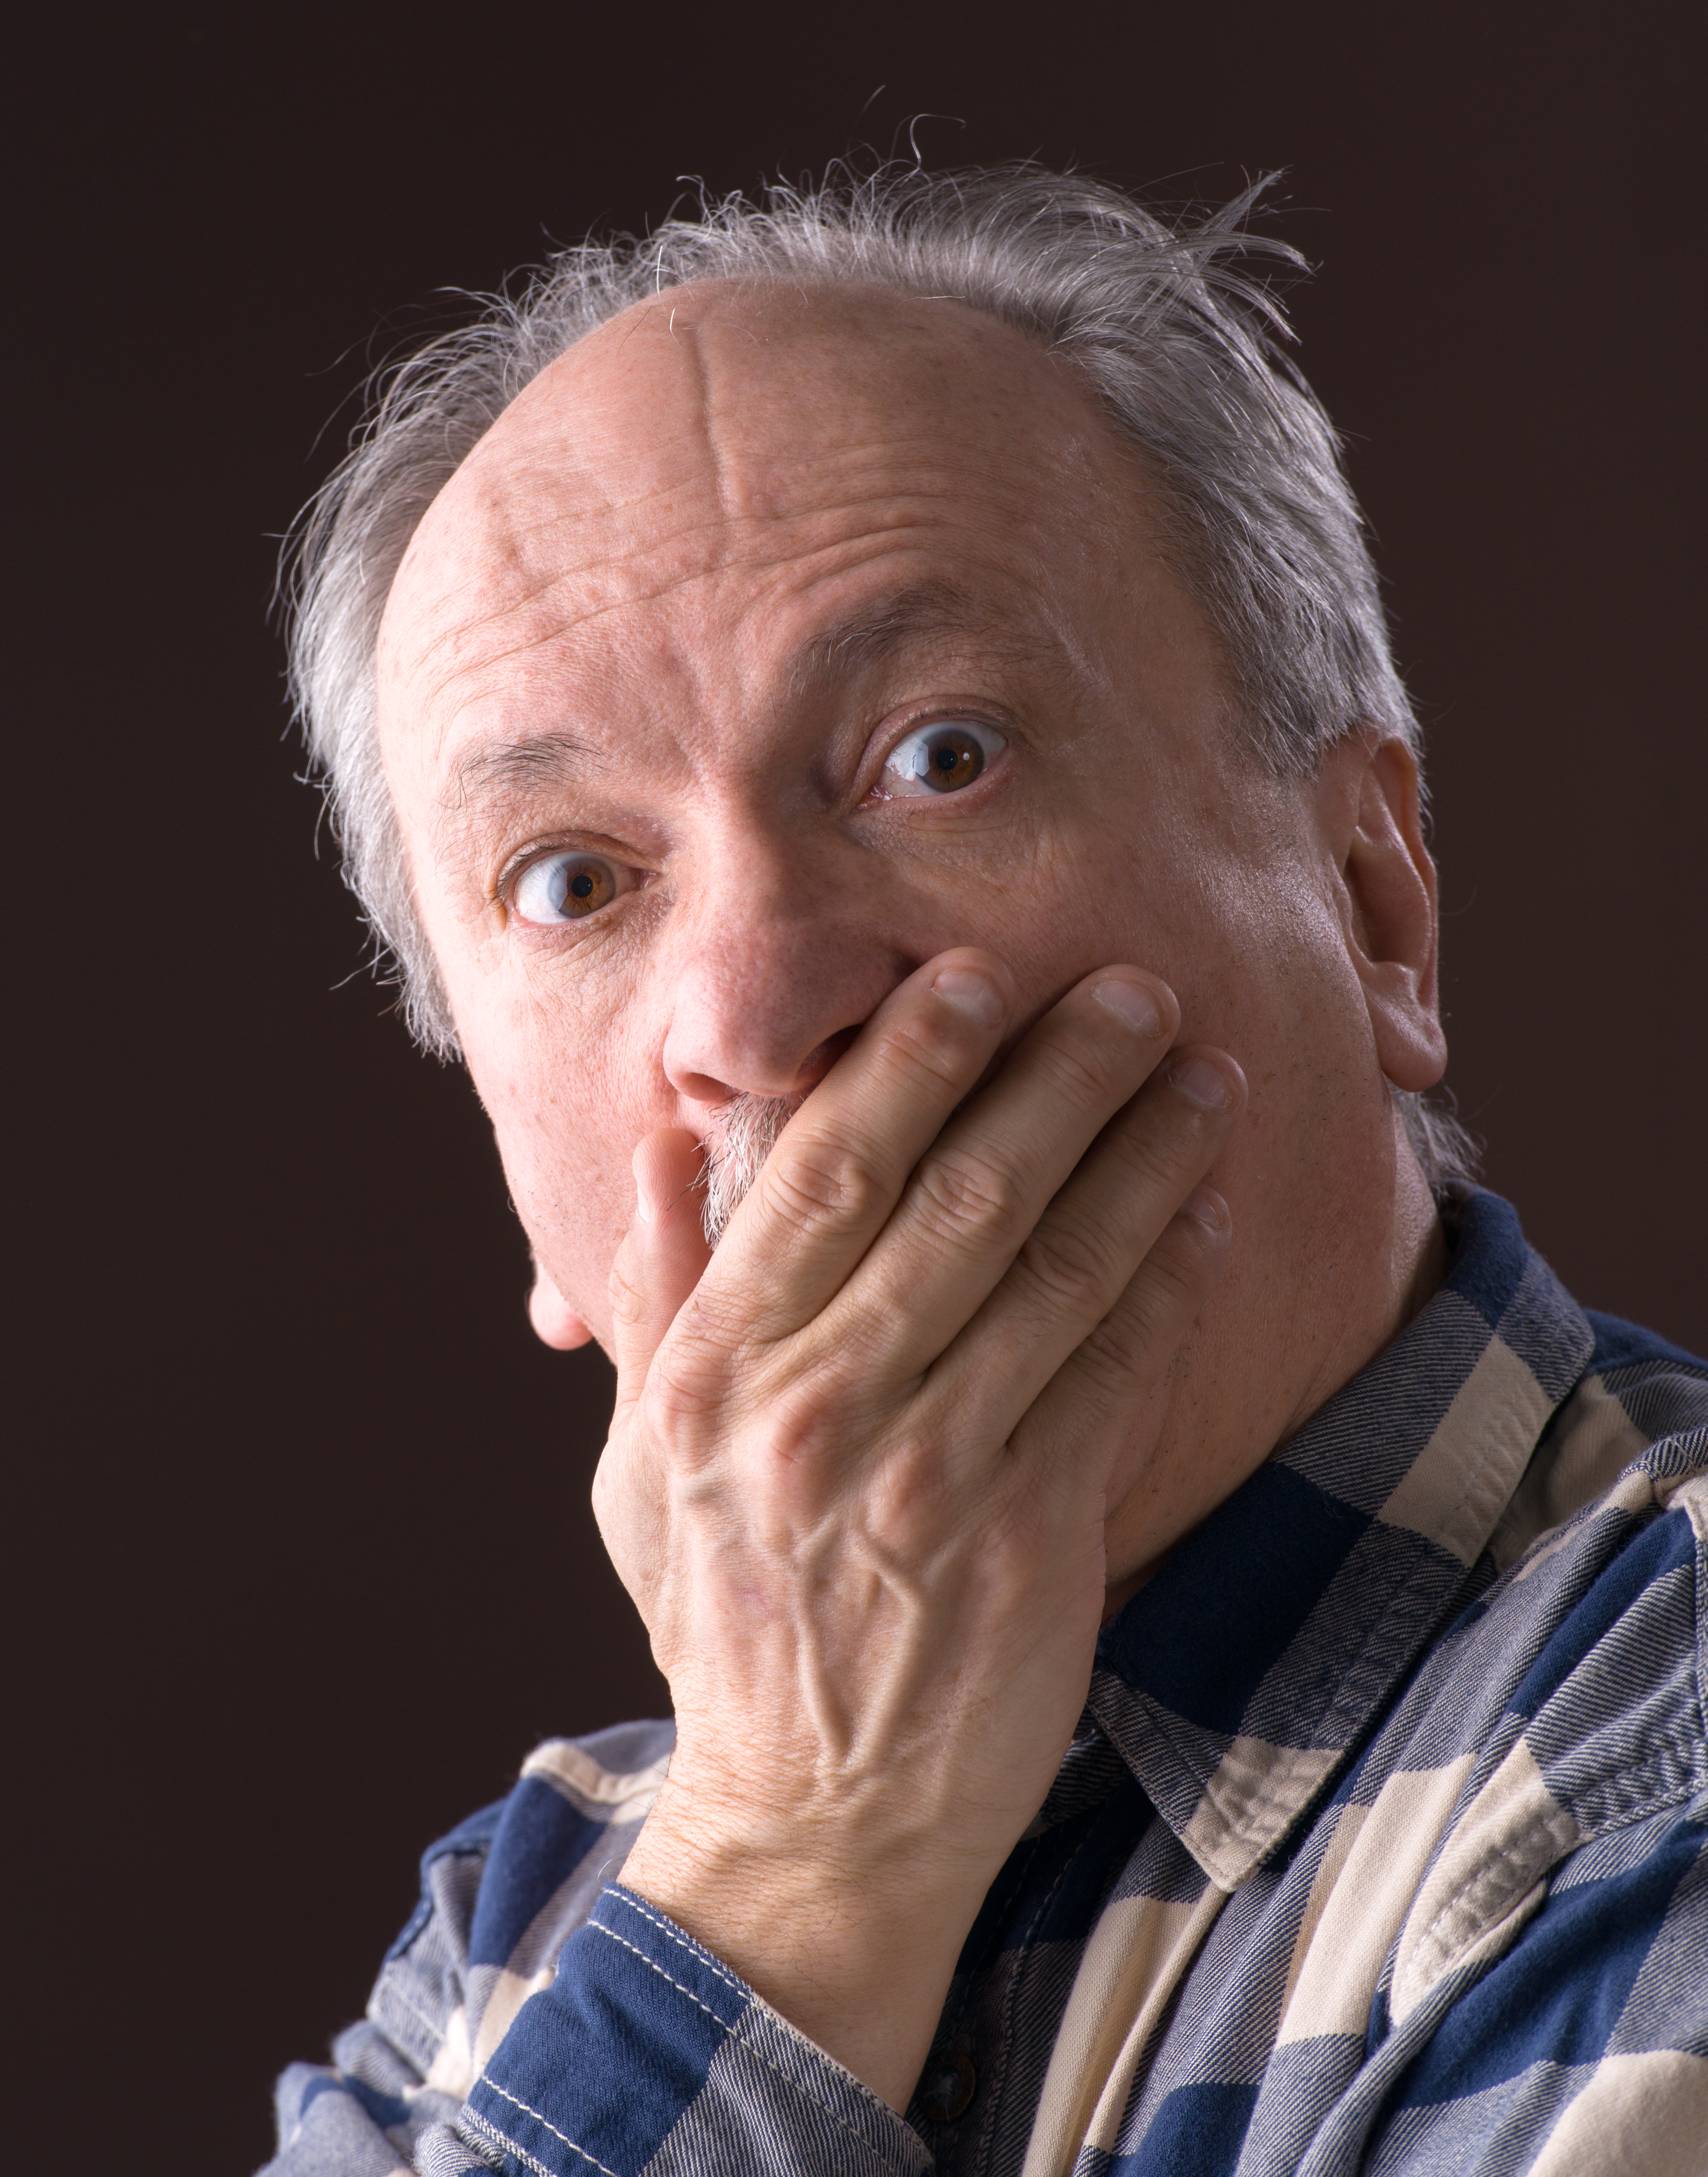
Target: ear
{"points": [[555, 1322], [1372, 828]]}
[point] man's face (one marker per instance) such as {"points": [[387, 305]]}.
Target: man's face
{"points": [[774, 642]]}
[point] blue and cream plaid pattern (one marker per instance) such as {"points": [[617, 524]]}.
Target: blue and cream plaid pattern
{"points": [[1382, 1844]]}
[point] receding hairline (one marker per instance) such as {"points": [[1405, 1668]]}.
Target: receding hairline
{"points": [[798, 302], [802, 305]]}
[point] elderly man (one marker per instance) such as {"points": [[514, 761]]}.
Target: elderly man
{"points": [[867, 724]]}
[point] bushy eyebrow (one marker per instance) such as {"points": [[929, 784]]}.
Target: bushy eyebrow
{"points": [[497, 770], [491, 769]]}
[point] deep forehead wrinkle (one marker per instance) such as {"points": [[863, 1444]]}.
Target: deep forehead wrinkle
{"points": [[731, 501]]}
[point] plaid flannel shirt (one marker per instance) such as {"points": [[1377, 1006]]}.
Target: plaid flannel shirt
{"points": [[1380, 1846]]}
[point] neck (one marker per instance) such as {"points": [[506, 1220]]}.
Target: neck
{"points": [[1275, 1354]]}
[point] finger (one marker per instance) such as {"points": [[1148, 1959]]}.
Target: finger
{"points": [[1081, 1429], [980, 1192], [662, 1256], [1084, 1251], [839, 1167]]}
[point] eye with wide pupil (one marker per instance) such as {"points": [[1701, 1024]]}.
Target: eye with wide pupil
{"points": [[940, 759], [563, 887]]}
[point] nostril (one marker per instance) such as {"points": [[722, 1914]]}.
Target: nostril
{"points": [[817, 1063]]}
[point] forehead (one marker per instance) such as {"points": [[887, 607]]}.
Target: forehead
{"points": [[729, 455]]}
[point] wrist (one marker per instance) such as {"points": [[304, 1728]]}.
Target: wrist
{"points": [[856, 1955]]}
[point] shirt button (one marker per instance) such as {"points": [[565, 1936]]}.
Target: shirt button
{"points": [[947, 2086]]}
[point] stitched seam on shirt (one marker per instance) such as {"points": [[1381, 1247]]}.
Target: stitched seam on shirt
{"points": [[516, 2102], [1509, 1875], [491, 2135], [656, 1968], [820, 2101], [1697, 1518], [681, 1942], [823, 2104], [1425, 1611], [1331, 1720]]}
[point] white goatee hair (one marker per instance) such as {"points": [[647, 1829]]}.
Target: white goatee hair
{"points": [[738, 1140]]}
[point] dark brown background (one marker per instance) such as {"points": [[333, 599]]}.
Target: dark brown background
{"points": [[300, 1525]]}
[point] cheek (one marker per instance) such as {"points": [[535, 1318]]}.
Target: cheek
{"points": [[1062, 902], [565, 1084]]}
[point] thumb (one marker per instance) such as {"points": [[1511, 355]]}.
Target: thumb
{"points": [[661, 1260]]}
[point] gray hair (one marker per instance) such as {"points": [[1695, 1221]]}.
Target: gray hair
{"points": [[1178, 334]]}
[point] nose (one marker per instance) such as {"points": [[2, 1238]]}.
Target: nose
{"points": [[770, 981]]}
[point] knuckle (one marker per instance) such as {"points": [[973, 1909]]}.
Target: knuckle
{"points": [[1079, 1072], [821, 1181], [1145, 1322], [690, 1377], [926, 1049], [1067, 1262], [803, 1426], [1117, 1352], [715, 1320], [680, 1391], [1159, 1150], [1176, 1265], [910, 1495], [961, 1194]]}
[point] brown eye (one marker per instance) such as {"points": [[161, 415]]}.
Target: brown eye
{"points": [[939, 758], [563, 887]]}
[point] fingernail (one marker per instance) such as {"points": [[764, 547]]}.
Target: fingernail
{"points": [[1207, 1207], [643, 1207], [1130, 1002], [970, 993], [1202, 1083]]}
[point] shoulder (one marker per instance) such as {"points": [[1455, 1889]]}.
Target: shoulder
{"points": [[1570, 1704], [1640, 1409], [505, 1890], [1589, 1650]]}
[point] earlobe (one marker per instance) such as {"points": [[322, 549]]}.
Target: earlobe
{"points": [[1371, 804], [555, 1322]]}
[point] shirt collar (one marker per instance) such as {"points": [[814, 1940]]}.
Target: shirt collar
{"points": [[1236, 1680]]}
